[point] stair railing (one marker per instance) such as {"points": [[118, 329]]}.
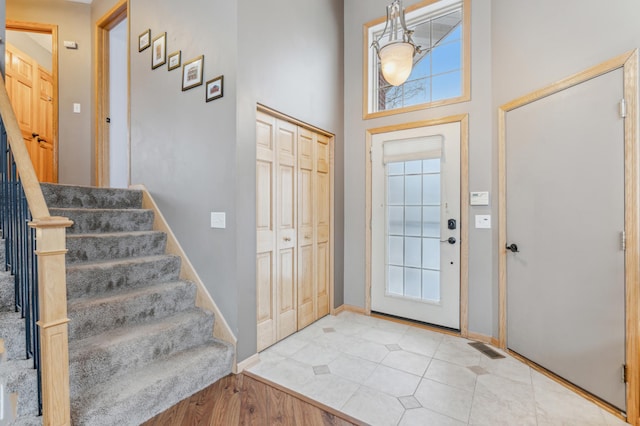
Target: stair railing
{"points": [[35, 255]]}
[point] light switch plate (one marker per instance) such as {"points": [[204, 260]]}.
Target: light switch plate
{"points": [[76, 108], [218, 220], [483, 221]]}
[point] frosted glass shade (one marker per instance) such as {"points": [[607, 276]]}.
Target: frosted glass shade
{"points": [[396, 60]]}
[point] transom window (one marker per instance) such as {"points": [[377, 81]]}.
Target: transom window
{"points": [[440, 72]]}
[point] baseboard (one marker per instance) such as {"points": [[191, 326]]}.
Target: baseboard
{"points": [[246, 364], [483, 338], [349, 308]]}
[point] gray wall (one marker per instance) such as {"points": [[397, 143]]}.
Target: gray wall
{"points": [[481, 245], [290, 59], [74, 80]]}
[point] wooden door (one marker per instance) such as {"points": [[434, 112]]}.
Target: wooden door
{"points": [[306, 235], [323, 224], [265, 223], [44, 126], [31, 90], [21, 72], [286, 235]]}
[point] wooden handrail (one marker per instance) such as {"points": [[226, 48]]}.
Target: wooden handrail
{"points": [[50, 235], [37, 204]]}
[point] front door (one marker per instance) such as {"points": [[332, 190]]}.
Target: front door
{"points": [[415, 227], [565, 206]]}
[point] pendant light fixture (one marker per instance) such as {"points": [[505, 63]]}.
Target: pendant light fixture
{"points": [[396, 55]]}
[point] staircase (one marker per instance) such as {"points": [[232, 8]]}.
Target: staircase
{"points": [[137, 342]]}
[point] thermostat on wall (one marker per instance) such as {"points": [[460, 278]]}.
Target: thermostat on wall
{"points": [[479, 198], [70, 44]]}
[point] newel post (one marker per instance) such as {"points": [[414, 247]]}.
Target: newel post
{"points": [[54, 335]]}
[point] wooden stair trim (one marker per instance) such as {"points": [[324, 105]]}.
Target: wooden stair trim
{"points": [[221, 329]]}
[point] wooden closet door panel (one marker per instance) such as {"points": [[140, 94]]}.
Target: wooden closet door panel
{"points": [[265, 227], [306, 213], [286, 235], [323, 225]]}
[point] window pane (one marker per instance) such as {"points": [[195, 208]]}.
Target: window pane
{"points": [[422, 34], [446, 58], [395, 282], [395, 195], [395, 168], [431, 166], [416, 92], [447, 27], [422, 68], [396, 220], [446, 86], [413, 219], [431, 221], [412, 282], [431, 189], [413, 167], [391, 97], [412, 252], [413, 190], [431, 253], [431, 285], [395, 251]]}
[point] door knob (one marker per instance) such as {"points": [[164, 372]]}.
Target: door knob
{"points": [[451, 240], [34, 134], [513, 248]]}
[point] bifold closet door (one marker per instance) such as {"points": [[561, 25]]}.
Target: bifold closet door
{"points": [[276, 259], [322, 194]]}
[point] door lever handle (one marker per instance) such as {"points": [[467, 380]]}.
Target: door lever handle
{"points": [[513, 248], [450, 240]]}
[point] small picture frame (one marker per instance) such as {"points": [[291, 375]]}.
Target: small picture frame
{"points": [[192, 72], [215, 88], [159, 51], [175, 60], [144, 40]]}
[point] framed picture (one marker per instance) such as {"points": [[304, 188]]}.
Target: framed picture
{"points": [[192, 73], [159, 51], [215, 88], [144, 40], [174, 60]]}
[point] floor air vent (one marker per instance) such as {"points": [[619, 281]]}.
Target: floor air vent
{"points": [[486, 350]]}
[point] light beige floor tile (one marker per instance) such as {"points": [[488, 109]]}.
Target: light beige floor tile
{"points": [[381, 336], [566, 408], [500, 401], [451, 374], [611, 420], [393, 382], [508, 367], [457, 352], [420, 344], [289, 346], [424, 417], [313, 354], [407, 361], [374, 407], [370, 351], [444, 399], [391, 326], [330, 389], [268, 360], [290, 374], [352, 368]]}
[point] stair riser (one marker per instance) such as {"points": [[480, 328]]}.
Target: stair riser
{"points": [[7, 291], [99, 363], [97, 221], [12, 332], [23, 380], [152, 397], [89, 320], [96, 248], [96, 279], [62, 196]]}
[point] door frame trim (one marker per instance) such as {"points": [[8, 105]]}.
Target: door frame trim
{"points": [[113, 17], [629, 63], [463, 119], [36, 27]]}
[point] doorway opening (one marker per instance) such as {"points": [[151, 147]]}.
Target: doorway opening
{"points": [[112, 98]]}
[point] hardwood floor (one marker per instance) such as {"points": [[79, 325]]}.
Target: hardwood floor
{"points": [[246, 399]]}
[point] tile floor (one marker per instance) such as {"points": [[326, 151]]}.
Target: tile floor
{"points": [[385, 373]]}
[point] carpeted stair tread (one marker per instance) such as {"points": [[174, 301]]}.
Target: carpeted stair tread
{"points": [[19, 376], [144, 393], [90, 316], [92, 221], [95, 278], [70, 196], [27, 421], [116, 352], [7, 290], [93, 247], [12, 332]]}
